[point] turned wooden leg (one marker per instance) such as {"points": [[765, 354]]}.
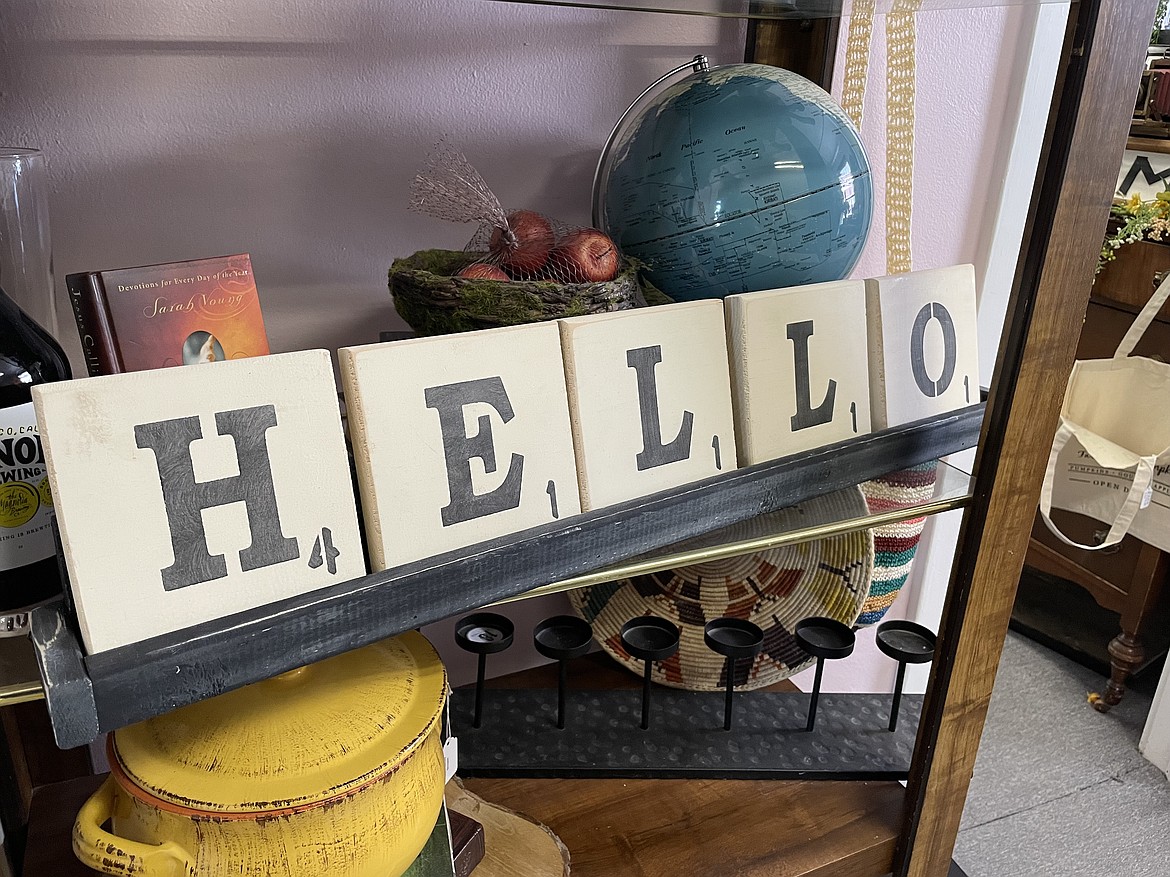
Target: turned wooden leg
{"points": [[1125, 651], [1126, 655]]}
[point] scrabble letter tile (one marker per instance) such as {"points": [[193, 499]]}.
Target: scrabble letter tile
{"points": [[650, 398], [459, 438], [187, 494], [800, 371], [923, 344]]}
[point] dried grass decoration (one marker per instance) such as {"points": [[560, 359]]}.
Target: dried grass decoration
{"points": [[519, 267]]}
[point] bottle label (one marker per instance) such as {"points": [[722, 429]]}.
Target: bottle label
{"points": [[26, 535]]}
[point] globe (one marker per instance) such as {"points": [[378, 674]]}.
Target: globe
{"points": [[736, 179]]}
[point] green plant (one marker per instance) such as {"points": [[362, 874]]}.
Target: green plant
{"points": [[1135, 220], [1159, 19]]}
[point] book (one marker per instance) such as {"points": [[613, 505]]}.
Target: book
{"points": [[437, 858], [175, 313]]}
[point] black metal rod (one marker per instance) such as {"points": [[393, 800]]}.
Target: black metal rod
{"points": [[897, 695], [730, 692], [479, 689], [646, 696], [816, 695], [562, 684]]}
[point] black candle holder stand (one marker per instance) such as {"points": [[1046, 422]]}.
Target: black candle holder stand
{"points": [[733, 638], [483, 634], [768, 740], [649, 638], [561, 638], [825, 639], [907, 643]]}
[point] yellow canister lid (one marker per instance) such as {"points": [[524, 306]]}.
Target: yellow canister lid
{"points": [[310, 735]]}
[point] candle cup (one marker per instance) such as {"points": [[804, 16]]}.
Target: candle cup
{"points": [[733, 638], [649, 638], [483, 634], [907, 643], [824, 639], [562, 638]]}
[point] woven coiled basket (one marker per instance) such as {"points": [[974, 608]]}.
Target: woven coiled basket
{"points": [[433, 301]]}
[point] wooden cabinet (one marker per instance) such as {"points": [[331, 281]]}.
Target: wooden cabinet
{"points": [[1128, 577]]}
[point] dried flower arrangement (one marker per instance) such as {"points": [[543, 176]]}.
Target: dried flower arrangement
{"points": [[1132, 220]]}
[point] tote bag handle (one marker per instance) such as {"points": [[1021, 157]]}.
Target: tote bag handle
{"points": [[1143, 319], [1143, 477]]}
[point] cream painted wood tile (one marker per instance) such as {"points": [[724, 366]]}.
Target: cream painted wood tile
{"points": [[650, 399], [800, 368], [923, 344], [254, 503], [459, 439]]}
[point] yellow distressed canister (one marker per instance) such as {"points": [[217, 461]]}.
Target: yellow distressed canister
{"points": [[335, 768]]}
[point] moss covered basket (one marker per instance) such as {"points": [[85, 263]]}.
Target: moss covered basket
{"points": [[433, 301]]}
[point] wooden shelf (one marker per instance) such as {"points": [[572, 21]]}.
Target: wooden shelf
{"points": [[712, 828], [703, 828]]}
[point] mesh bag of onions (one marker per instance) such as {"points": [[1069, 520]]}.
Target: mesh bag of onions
{"points": [[519, 266]]}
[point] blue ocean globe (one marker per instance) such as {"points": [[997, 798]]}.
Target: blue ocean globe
{"points": [[736, 179]]}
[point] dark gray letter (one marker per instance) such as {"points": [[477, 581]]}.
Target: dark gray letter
{"points": [[918, 354], [806, 415], [459, 448], [185, 498], [654, 453]]}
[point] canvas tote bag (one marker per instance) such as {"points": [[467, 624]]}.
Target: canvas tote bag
{"points": [[1110, 458]]}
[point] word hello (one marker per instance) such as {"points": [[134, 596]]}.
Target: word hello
{"points": [[458, 439], [231, 471]]}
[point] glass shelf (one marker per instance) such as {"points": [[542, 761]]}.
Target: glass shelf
{"points": [[20, 680], [952, 490], [773, 10]]}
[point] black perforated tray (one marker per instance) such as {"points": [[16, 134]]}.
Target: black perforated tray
{"points": [[519, 736]]}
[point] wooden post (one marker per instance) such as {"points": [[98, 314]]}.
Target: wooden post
{"points": [[1087, 131]]}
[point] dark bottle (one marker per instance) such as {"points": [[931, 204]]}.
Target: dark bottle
{"points": [[28, 563]]}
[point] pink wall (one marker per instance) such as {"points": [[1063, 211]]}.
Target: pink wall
{"points": [[970, 70], [184, 128]]}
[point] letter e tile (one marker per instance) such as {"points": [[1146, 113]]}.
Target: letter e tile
{"points": [[459, 438]]}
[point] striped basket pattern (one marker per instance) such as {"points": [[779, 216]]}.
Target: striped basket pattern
{"points": [[894, 544]]}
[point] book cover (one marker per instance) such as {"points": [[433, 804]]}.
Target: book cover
{"points": [[176, 313], [437, 858]]}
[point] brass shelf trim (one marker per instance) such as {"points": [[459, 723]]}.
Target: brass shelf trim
{"points": [[746, 546]]}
